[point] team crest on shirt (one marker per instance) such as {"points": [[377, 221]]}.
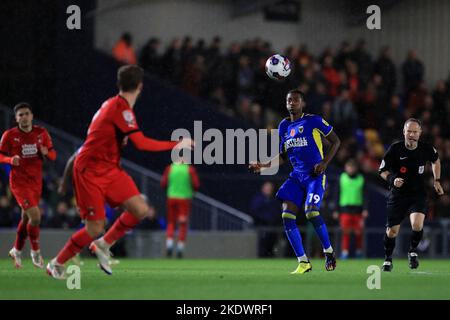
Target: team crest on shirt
{"points": [[421, 169], [300, 129], [129, 118]]}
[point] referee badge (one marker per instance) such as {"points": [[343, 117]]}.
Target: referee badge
{"points": [[421, 169]]}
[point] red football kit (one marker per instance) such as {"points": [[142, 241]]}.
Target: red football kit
{"points": [[97, 175], [26, 179]]}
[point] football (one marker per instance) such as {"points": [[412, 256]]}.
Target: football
{"points": [[278, 67]]}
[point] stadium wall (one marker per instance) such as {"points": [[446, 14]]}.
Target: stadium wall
{"points": [[151, 244], [418, 24]]}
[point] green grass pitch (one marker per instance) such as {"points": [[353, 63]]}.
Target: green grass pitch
{"points": [[256, 279]]}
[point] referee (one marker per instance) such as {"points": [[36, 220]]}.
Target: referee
{"points": [[403, 168]]}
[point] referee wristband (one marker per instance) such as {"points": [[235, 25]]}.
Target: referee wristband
{"points": [[390, 179]]}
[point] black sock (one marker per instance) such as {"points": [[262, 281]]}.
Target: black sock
{"points": [[389, 245], [416, 236]]}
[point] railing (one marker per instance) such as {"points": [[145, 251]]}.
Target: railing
{"points": [[207, 213]]}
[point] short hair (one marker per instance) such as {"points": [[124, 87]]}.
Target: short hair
{"points": [[297, 91], [129, 77], [351, 162], [22, 105], [413, 120]]}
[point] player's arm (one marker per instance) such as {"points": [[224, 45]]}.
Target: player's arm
{"points": [[436, 168], [5, 151], [67, 175], [47, 149], [385, 170], [144, 143], [258, 167], [335, 143]]}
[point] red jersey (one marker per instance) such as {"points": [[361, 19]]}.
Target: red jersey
{"points": [[27, 146], [106, 135]]}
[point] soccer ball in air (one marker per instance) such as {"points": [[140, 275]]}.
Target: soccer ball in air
{"points": [[278, 67]]}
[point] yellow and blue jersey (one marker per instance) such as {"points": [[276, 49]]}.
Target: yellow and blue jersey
{"points": [[301, 141]]}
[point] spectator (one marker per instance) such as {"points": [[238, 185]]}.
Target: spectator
{"points": [[413, 71], [123, 50], [149, 58], [385, 67]]}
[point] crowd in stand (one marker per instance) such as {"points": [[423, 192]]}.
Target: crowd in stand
{"points": [[365, 97]]}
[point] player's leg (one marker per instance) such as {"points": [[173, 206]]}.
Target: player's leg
{"points": [[389, 246], [33, 230], [184, 208], [315, 191], [21, 236], [171, 221], [90, 201], [289, 215], [417, 220], [292, 197], [344, 222]]}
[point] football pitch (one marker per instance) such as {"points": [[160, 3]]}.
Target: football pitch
{"points": [[256, 279]]}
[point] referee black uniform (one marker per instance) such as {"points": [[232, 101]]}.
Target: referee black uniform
{"points": [[411, 197], [409, 165]]}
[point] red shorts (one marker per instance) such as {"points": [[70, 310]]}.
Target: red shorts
{"points": [[178, 209], [92, 191], [351, 221], [27, 197]]}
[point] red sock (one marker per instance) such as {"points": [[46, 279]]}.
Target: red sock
{"points": [[345, 241], [183, 231], [76, 243], [124, 223], [21, 236], [33, 233], [170, 229]]}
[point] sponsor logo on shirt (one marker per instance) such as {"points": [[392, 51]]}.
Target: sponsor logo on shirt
{"points": [[297, 142], [29, 150]]}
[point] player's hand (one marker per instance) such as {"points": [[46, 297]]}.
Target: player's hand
{"points": [[365, 214], [15, 161], [398, 182], [438, 188], [320, 168], [151, 213], [44, 150], [185, 143], [256, 167]]}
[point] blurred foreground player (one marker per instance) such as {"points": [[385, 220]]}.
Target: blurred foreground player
{"points": [[25, 147], [300, 139], [403, 168], [98, 177]]}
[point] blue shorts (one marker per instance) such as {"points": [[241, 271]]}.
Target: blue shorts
{"points": [[303, 189]]}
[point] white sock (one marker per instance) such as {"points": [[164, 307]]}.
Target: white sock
{"points": [[328, 250], [303, 258], [180, 246], [169, 243]]}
